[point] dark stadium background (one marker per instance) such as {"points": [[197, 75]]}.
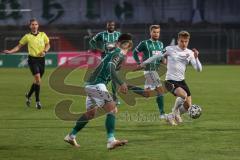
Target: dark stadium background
{"points": [[214, 25]]}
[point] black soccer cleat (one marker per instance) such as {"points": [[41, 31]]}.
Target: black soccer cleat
{"points": [[28, 100], [38, 105]]}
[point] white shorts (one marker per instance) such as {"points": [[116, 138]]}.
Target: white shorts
{"points": [[97, 95], [152, 80]]}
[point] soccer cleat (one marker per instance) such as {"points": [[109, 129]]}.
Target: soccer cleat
{"points": [[71, 141], [170, 118], [178, 118], [116, 143], [38, 105], [162, 116], [28, 100]]}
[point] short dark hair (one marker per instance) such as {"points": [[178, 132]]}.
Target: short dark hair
{"points": [[110, 21], [154, 26], [32, 20], [125, 37], [184, 34]]}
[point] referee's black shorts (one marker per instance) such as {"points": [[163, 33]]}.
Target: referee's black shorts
{"points": [[36, 65], [171, 86]]}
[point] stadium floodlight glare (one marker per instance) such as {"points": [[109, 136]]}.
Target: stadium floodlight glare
{"points": [[15, 10]]}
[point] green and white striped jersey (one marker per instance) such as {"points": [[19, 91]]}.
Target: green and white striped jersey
{"points": [[106, 70], [149, 48], [104, 40]]}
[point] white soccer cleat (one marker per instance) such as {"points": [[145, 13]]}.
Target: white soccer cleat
{"points": [[170, 118], [162, 116], [38, 105], [116, 143], [71, 141], [178, 118]]}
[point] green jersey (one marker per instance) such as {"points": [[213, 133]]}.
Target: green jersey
{"points": [[149, 48], [106, 70], [104, 40]]}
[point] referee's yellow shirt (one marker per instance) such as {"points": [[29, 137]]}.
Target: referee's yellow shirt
{"points": [[36, 43]]}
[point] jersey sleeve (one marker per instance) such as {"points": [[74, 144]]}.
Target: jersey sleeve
{"points": [[168, 51], [115, 61], [94, 40], [195, 62], [46, 39], [140, 48], [23, 40]]}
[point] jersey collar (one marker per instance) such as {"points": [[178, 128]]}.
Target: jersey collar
{"points": [[181, 48], [153, 40], [34, 34], [109, 32]]}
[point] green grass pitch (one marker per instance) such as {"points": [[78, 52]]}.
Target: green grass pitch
{"points": [[27, 133]]}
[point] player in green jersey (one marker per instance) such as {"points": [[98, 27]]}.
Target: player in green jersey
{"points": [[98, 97], [150, 48], [105, 43]]}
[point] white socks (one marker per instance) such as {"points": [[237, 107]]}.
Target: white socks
{"points": [[178, 103], [182, 109]]}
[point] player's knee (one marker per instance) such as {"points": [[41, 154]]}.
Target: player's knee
{"points": [[146, 94], [115, 110], [90, 115], [37, 80], [185, 95]]}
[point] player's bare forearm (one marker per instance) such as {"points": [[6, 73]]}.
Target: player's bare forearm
{"points": [[196, 52], [47, 47], [14, 50]]}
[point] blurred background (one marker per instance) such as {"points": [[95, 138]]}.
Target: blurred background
{"points": [[214, 25]]}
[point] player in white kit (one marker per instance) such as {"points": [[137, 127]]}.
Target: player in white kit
{"points": [[178, 57]]}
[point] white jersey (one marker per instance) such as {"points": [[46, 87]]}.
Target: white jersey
{"points": [[177, 61]]}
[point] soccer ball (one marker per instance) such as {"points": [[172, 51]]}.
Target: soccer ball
{"points": [[195, 111]]}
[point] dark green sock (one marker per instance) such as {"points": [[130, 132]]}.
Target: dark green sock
{"points": [[81, 122], [160, 103], [110, 125], [137, 90]]}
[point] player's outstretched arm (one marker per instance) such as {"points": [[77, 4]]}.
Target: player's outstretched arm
{"points": [[14, 50], [152, 59], [195, 61]]}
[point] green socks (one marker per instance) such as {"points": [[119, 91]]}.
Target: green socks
{"points": [[159, 100], [81, 122], [110, 126]]}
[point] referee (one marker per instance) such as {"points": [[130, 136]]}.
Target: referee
{"points": [[38, 46]]}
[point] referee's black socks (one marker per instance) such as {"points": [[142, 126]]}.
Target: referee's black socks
{"points": [[37, 92], [32, 89]]}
